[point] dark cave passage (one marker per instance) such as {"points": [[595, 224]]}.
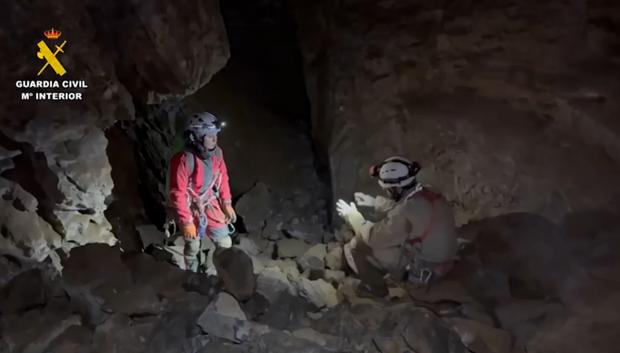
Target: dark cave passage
{"points": [[261, 95]]}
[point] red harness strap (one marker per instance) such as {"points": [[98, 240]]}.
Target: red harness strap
{"points": [[430, 197]]}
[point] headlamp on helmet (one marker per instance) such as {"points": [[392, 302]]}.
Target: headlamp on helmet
{"points": [[395, 172], [202, 124]]}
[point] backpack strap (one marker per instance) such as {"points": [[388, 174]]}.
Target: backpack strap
{"points": [[190, 158], [431, 197]]}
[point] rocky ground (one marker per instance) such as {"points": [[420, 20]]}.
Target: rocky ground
{"points": [[284, 289], [105, 303], [508, 106]]}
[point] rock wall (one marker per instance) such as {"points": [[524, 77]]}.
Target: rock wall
{"points": [[508, 106], [56, 179]]}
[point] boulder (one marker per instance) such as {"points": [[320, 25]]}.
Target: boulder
{"points": [[129, 300], [259, 263], [95, 264], [208, 286], [423, 331], [25, 291], [318, 292], [236, 270], [256, 306], [284, 342], [397, 293], [163, 277], [288, 248], [76, 339], [477, 312], [149, 234], [9, 268], [288, 267], [333, 277], [25, 235], [224, 318], [255, 207], [260, 242], [176, 329], [480, 337], [270, 250], [394, 344], [306, 231], [273, 228], [272, 282], [334, 257], [329, 342], [5, 158], [313, 258], [249, 246], [35, 330], [120, 334], [286, 312]]}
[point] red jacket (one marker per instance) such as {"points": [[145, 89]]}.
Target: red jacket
{"points": [[203, 175]]}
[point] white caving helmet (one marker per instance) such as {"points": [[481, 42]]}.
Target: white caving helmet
{"points": [[395, 172], [202, 124]]}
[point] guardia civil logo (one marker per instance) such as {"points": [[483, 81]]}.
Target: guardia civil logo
{"points": [[49, 51], [46, 54]]}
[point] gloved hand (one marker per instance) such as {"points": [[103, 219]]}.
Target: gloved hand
{"points": [[362, 199], [350, 214], [231, 215], [189, 231]]}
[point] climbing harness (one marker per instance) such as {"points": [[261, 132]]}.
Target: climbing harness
{"points": [[418, 271], [198, 202]]}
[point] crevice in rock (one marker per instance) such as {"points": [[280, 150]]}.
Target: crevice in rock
{"points": [[86, 211], [5, 232], [126, 207], [134, 316], [74, 183], [32, 173]]}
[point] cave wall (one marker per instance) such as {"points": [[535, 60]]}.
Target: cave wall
{"points": [[511, 109], [509, 106], [56, 179]]}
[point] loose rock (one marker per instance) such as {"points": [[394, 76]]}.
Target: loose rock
{"points": [[272, 282], [307, 231], [224, 318], [480, 337], [314, 258], [289, 248], [318, 292], [334, 257], [236, 270], [149, 234], [255, 207]]}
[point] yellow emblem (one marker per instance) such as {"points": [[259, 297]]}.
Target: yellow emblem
{"points": [[45, 53]]}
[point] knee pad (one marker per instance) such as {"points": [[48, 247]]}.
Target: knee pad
{"points": [[224, 242], [192, 248], [221, 237]]}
